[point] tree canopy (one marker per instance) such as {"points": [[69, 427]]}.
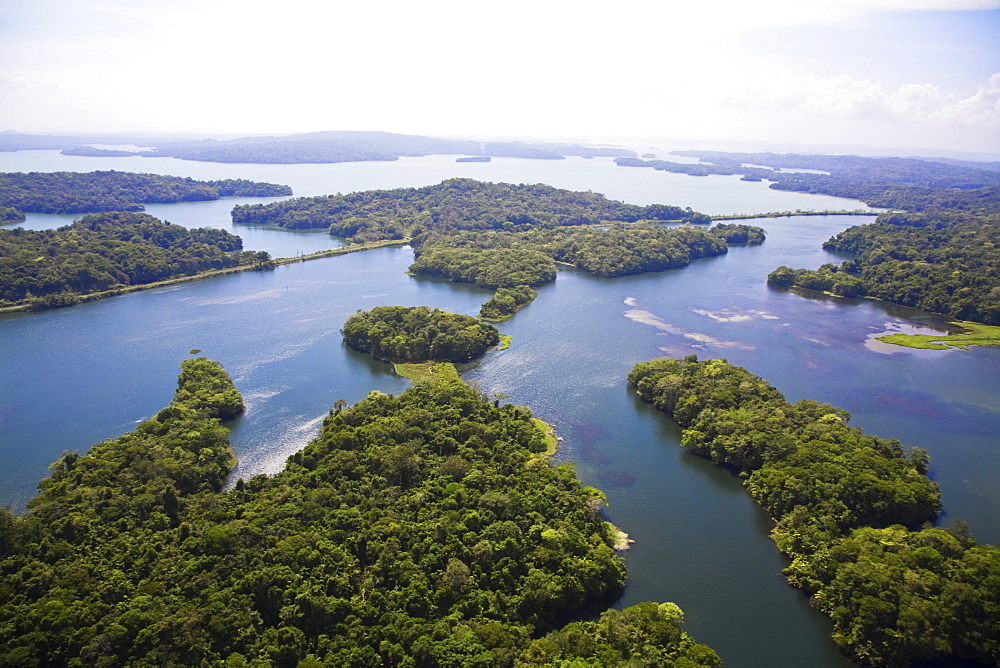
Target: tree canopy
{"points": [[946, 263], [418, 334], [941, 254], [106, 251], [455, 204], [847, 507], [9, 215], [903, 183], [92, 192], [423, 529], [505, 302], [495, 259]]}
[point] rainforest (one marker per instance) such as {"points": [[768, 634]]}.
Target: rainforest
{"points": [[427, 526]]}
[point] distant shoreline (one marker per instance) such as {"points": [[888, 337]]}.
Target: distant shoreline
{"points": [[790, 214], [354, 248], [274, 263]]}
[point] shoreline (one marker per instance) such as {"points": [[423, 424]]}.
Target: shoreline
{"points": [[962, 324], [792, 214], [621, 540], [975, 334], [274, 264]]}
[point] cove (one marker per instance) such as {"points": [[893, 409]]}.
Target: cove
{"points": [[72, 377]]}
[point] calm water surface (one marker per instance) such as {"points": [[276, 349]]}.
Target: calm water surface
{"points": [[74, 376], [716, 195]]}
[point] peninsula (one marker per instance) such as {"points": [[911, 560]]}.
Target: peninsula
{"points": [[852, 511], [423, 526], [92, 192]]}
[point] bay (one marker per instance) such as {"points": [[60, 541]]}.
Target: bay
{"points": [[72, 377], [714, 195]]}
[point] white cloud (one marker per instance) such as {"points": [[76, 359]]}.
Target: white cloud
{"points": [[450, 66], [981, 109], [790, 92], [915, 100]]}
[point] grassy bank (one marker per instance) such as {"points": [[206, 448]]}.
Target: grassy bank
{"points": [[549, 434], [427, 372], [975, 334]]}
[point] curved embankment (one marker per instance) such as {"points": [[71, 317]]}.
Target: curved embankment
{"points": [[125, 289]]}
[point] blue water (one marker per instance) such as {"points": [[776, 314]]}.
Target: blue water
{"points": [[72, 377]]}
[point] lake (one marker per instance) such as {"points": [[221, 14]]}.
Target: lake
{"points": [[72, 377]]}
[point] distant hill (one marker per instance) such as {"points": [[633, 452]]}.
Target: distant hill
{"points": [[937, 173], [902, 183], [16, 141], [325, 147], [314, 147], [975, 164]]}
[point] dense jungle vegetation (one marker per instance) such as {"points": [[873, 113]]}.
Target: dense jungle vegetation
{"points": [[939, 265], [10, 215], [504, 236], [418, 530], [899, 183], [453, 205], [847, 507], [495, 259], [75, 192], [485, 265], [418, 334], [735, 233], [105, 251], [505, 302], [942, 254]]}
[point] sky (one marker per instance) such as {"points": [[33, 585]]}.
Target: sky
{"points": [[880, 73]]}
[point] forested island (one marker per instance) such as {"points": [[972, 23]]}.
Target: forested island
{"points": [[942, 262], [496, 259], [92, 192], [904, 183], [109, 251], [418, 334], [848, 508], [505, 302], [422, 529], [940, 251], [510, 237], [10, 215], [502, 235], [454, 205]]}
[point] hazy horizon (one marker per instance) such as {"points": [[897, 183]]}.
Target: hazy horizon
{"points": [[638, 144], [882, 74]]}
